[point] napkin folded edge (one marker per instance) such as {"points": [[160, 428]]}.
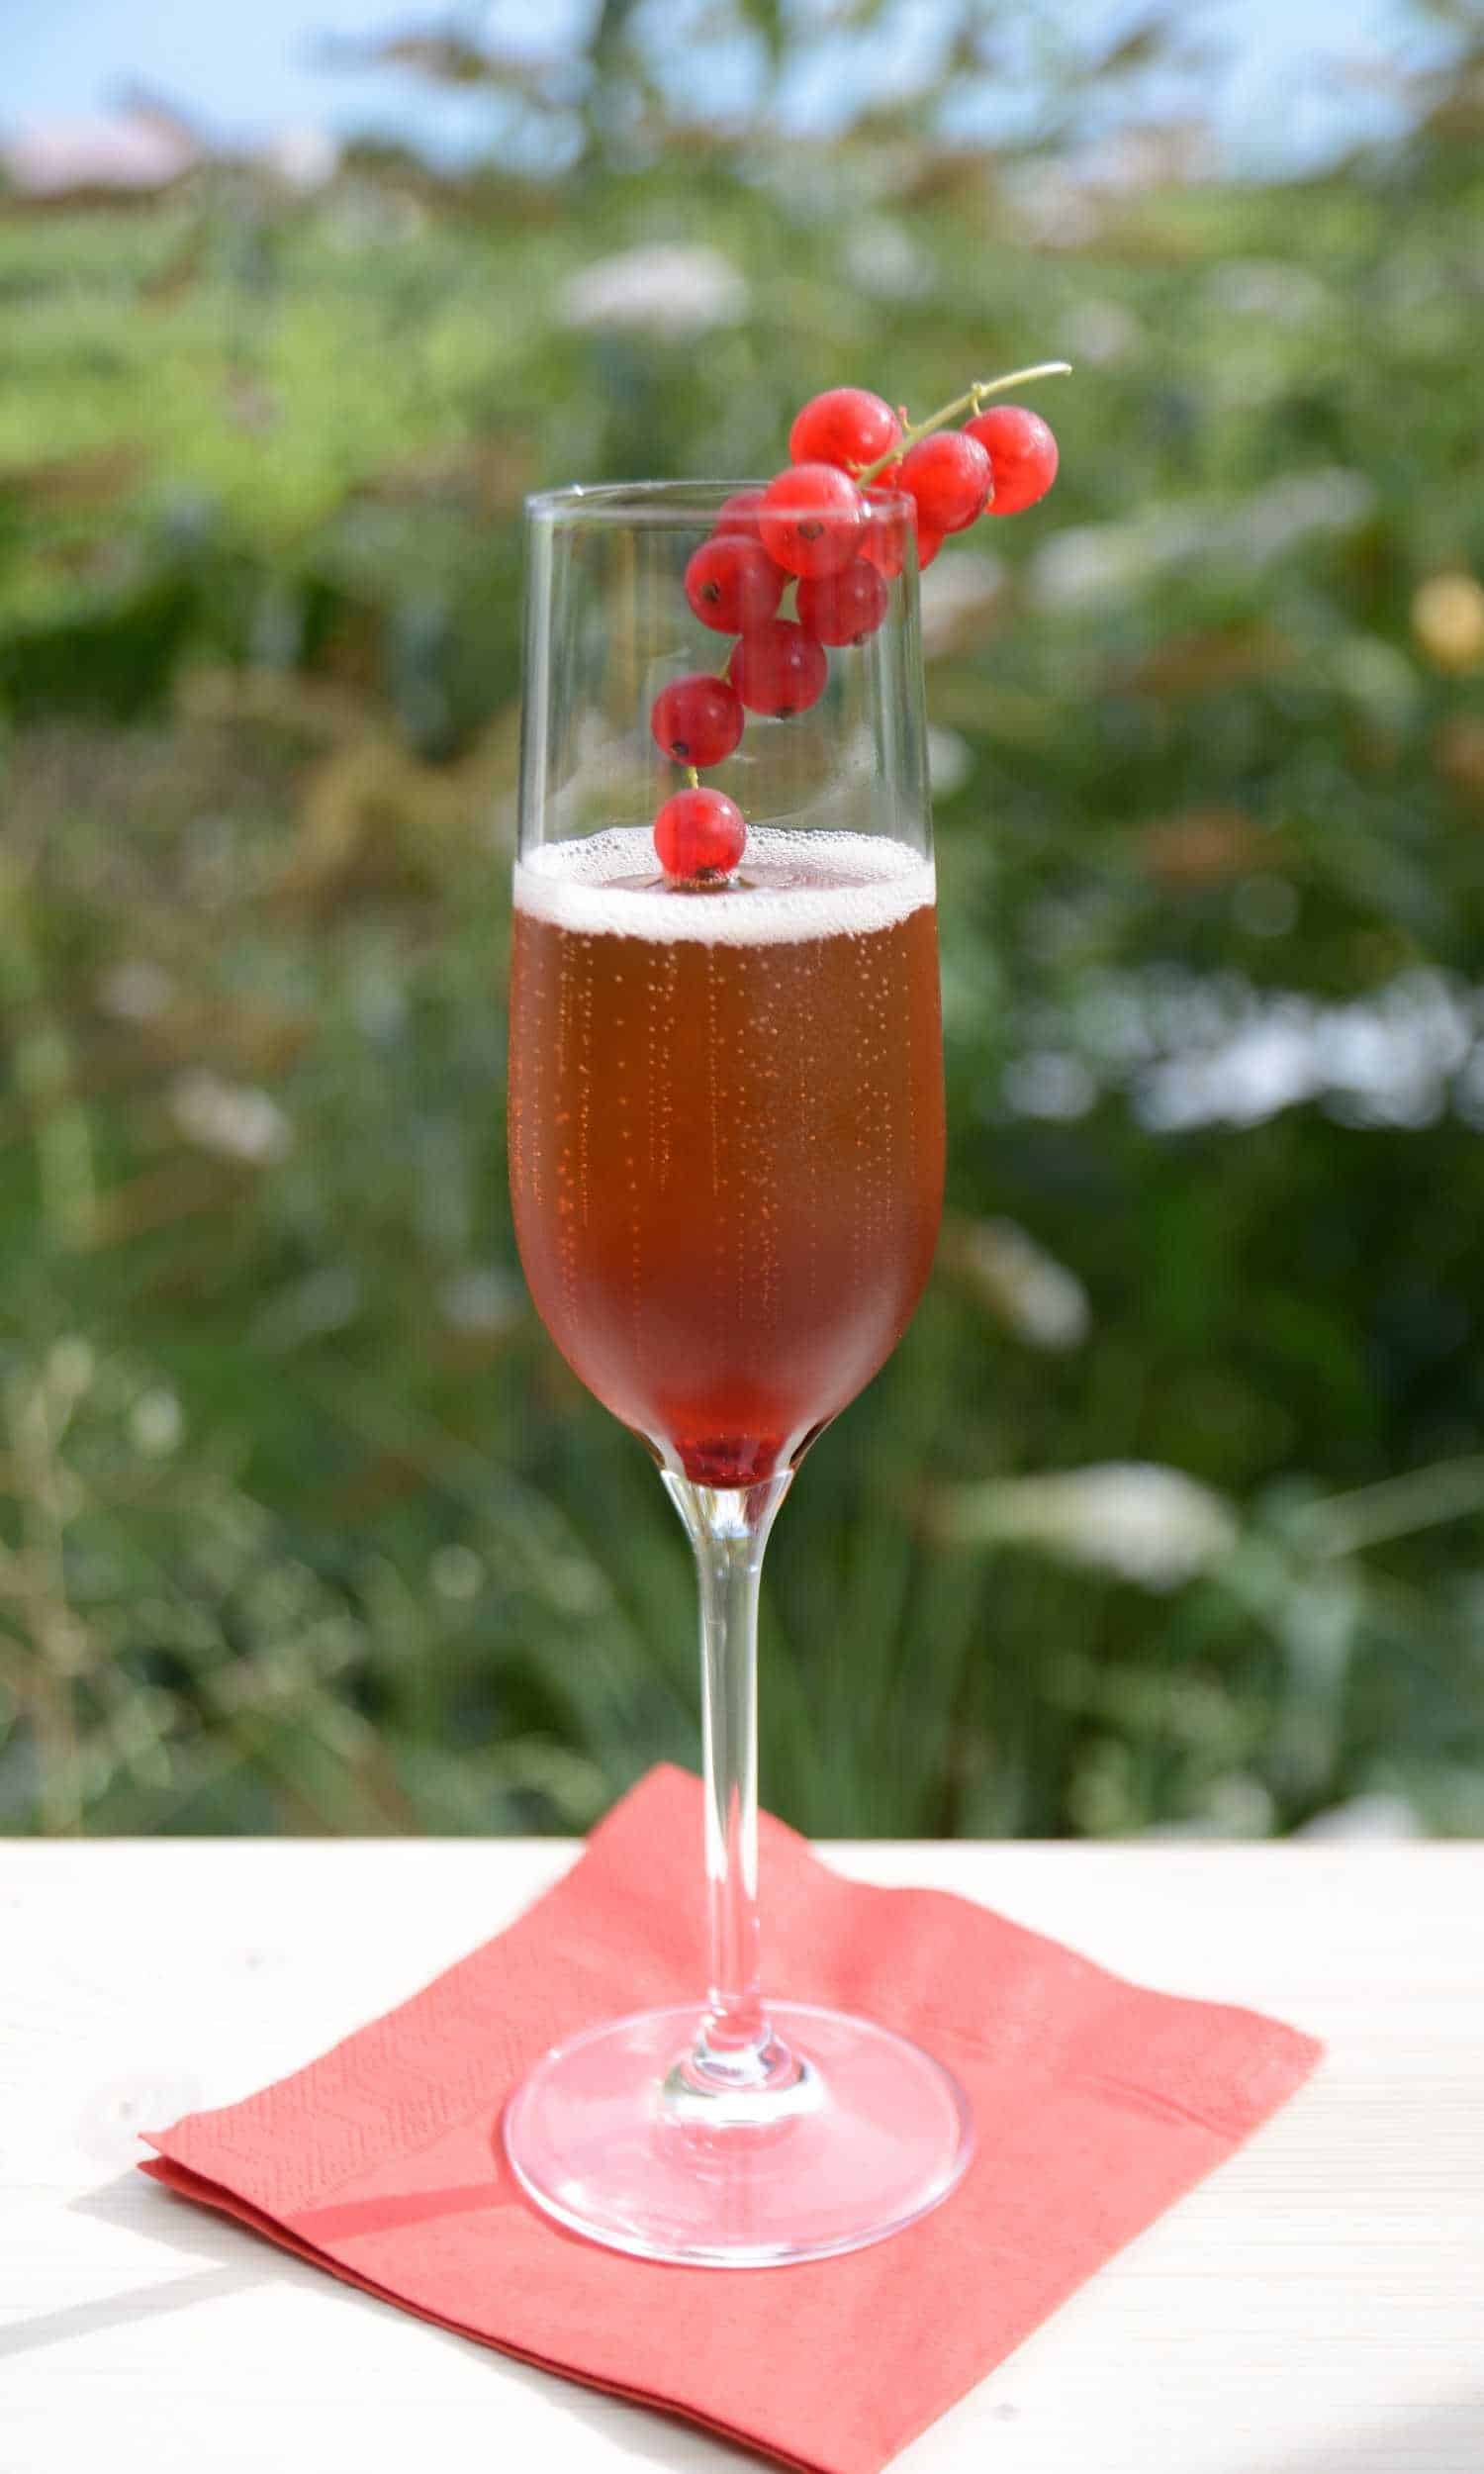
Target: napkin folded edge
{"points": [[200, 2191]]}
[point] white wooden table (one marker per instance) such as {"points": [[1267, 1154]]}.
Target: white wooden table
{"points": [[1316, 2308]]}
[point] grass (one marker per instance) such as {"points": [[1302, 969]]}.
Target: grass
{"points": [[302, 1523]]}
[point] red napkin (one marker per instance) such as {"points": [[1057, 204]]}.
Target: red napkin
{"points": [[1096, 2103]]}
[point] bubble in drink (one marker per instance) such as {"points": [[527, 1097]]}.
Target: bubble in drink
{"points": [[726, 1131]]}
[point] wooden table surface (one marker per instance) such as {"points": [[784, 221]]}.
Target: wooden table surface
{"points": [[1316, 2308]]}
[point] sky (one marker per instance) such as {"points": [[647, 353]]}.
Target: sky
{"points": [[247, 72]]}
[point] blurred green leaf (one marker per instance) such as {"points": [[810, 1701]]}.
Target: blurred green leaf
{"points": [[302, 1522]]}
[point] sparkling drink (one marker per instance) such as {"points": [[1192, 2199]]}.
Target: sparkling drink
{"points": [[726, 1163], [726, 1131]]}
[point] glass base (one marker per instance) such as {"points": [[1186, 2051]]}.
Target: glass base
{"points": [[612, 2136]]}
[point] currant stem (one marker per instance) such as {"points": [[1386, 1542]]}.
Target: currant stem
{"points": [[971, 403], [693, 778]]}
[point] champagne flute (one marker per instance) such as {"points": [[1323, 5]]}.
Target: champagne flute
{"points": [[726, 1165]]}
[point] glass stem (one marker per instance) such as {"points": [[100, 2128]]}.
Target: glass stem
{"points": [[729, 1528]]}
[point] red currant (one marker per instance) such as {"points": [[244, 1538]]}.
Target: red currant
{"points": [[697, 719], [847, 426], [810, 519], [843, 609], [949, 475], [929, 543], [700, 833], [1022, 455], [732, 584], [779, 669], [883, 537], [739, 514]]}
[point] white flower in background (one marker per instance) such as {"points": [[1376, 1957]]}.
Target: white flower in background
{"points": [[1236, 1807], [379, 1002], [1280, 294], [456, 1572], [1131, 161], [236, 1121], [133, 150], [1133, 1518], [1267, 1065], [958, 591], [1036, 1296], [1296, 506], [1086, 564], [670, 289], [303, 159], [1387, 1060], [1050, 207], [950, 762], [1049, 1083], [483, 1301], [360, 215], [135, 991], [1379, 678], [1374, 1816], [883, 261], [1099, 334], [156, 1423]]}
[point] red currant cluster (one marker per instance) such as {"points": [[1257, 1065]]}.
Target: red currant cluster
{"points": [[831, 529]]}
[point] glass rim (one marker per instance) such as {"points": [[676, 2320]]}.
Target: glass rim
{"points": [[676, 504]]}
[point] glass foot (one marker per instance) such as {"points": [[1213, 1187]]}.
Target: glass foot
{"points": [[608, 2136]]}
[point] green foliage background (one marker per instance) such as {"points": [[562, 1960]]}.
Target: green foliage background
{"points": [[302, 1523]]}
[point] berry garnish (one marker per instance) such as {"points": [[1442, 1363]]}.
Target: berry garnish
{"points": [[950, 476], [810, 519], [732, 584], [1022, 454], [883, 536], [700, 832], [697, 719], [739, 514], [842, 542], [846, 426], [779, 669], [843, 609]]}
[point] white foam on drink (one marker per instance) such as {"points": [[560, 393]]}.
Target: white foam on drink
{"points": [[792, 887]]}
